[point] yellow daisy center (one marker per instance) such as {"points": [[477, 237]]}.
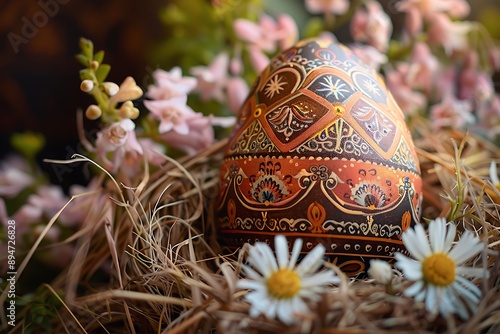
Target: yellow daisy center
{"points": [[284, 283], [439, 269]]}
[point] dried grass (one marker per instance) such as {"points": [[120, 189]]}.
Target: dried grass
{"points": [[147, 258]]}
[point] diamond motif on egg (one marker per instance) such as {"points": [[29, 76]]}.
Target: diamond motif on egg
{"points": [[320, 152]]}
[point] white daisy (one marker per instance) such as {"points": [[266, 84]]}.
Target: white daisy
{"points": [[380, 271], [438, 271], [280, 287]]}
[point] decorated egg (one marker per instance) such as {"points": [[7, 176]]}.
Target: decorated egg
{"points": [[320, 151]]}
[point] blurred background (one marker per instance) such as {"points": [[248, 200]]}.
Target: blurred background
{"points": [[39, 81]]}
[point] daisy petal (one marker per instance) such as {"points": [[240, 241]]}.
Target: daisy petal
{"points": [[281, 248], [466, 294], [472, 272], [251, 273], [432, 299], [424, 246], [412, 269], [250, 284], [311, 261], [419, 297], [467, 247], [285, 312], [266, 258], [299, 306], [457, 306], [414, 289], [437, 230], [322, 278], [465, 284], [450, 237], [415, 243], [297, 246], [446, 307]]}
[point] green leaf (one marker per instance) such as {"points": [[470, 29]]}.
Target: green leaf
{"points": [[102, 72], [82, 59], [99, 56], [28, 143], [87, 47], [85, 74]]}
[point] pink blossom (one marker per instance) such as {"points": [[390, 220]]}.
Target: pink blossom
{"points": [[451, 35], [133, 161], [446, 83], [260, 35], [258, 59], [4, 218], [51, 235], [85, 196], [484, 87], [371, 24], [337, 7], [288, 32], [370, 56], [454, 8], [120, 139], [413, 21], [236, 65], [237, 91], [419, 11], [488, 113], [170, 84], [152, 151], [39, 207], [211, 79], [267, 32], [451, 112], [14, 176], [201, 133], [494, 57], [423, 68], [50, 198], [27, 215], [410, 100], [173, 114], [473, 83]]}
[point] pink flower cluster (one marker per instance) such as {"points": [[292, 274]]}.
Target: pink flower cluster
{"points": [[456, 89], [264, 37], [179, 125], [41, 205], [438, 72]]}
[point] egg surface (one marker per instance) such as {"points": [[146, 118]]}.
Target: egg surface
{"points": [[320, 151]]}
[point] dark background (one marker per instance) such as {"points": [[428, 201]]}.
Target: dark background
{"points": [[39, 81], [39, 84]]}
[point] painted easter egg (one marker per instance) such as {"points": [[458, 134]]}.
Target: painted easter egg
{"points": [[320, 151]]}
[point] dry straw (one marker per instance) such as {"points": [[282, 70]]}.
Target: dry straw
{"points": [[147, 258]]}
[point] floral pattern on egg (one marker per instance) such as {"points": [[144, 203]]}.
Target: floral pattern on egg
{"points": [[321, 151]]}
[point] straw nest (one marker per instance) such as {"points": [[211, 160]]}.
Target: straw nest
{"points": [[147, 258]]}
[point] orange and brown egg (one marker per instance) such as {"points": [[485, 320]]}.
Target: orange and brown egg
{"points": [[321, 151]]}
